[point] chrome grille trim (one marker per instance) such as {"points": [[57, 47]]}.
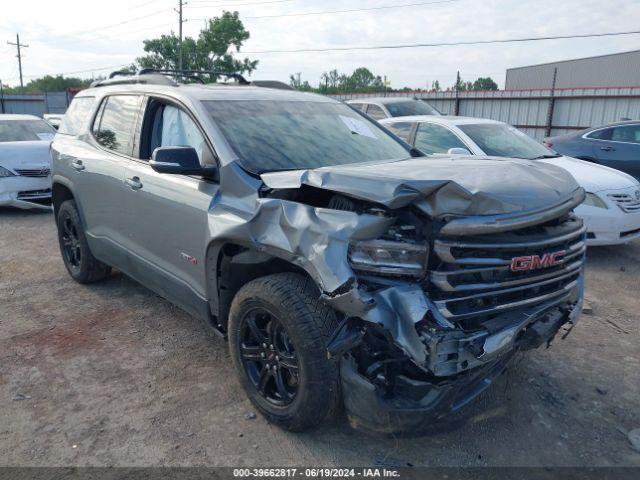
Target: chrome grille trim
{"points": [[443, 248], [30, 194], [626, 202], [566, 290], [472, 281], [444, 284], [33, 172]]}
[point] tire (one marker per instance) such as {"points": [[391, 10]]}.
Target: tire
{"points": [[289, 303], [78, 259]]}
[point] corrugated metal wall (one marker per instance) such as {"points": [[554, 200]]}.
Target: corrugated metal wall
{"points": [[573, 109], [39, 104], [619, 69]]}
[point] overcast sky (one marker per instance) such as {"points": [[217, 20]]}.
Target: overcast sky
{"points": [[69, 37]]}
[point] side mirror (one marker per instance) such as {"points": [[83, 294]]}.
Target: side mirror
{"points": [[458, 151], [179, 160]]}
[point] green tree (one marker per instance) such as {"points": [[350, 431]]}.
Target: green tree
{"points": [[485, 83], [435, 86], [212, 50], [298, 84], [481, 83], [49, 83]]}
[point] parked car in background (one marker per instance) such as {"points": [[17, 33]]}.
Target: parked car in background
{"points": [[379, 108], [616, 145], [25, 162], [342, 265], [54, 119], [611, 210]]}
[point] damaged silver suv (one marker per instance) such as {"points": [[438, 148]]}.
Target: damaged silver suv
{"points": [[345, 267]]}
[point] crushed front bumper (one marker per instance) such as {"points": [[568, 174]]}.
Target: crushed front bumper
{"points": [[418, 403]]}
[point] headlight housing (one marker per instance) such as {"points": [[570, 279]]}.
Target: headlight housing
{"points": [[384, 257], [592, 200], [5, 173]]}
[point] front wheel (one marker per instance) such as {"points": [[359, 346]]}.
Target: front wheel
{"points": [[78, 259], [278, 330]]}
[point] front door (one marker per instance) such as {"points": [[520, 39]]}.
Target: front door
{"points": [[169, 213]]}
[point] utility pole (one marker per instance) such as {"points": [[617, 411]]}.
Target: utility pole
{"points": [[18, 45], [180, 21]]}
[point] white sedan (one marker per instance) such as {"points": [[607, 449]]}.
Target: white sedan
{"points": [[25, 162], [611, 210]]}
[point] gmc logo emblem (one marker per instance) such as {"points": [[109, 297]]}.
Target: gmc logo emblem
{"points": [[534, 262]]}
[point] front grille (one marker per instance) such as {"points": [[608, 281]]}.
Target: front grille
{"points": [[34, 172], [626, 202], [471, 280], [31, 194]]}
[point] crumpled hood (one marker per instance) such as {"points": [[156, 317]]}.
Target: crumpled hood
{"points": [[31, 154], [593, 177], [441, 185]]}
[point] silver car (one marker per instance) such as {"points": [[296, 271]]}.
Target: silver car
{"points": [[343, 268]]}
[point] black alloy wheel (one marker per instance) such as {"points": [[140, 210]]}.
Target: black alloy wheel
{"points": [[269, 357]]}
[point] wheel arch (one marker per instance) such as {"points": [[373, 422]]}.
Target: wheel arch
{"points": [[231, 264]]}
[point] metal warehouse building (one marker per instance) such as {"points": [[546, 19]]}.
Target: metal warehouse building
{"points": [[614, 70]]}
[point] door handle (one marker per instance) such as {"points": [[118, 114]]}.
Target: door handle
{"points": [[78, 165], [607, 149], [134, 183]]}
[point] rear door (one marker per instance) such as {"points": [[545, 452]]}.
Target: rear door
{"points": [[618, 147], [169, 213], [99, 170]]}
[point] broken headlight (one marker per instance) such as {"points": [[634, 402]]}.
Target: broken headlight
{"points": [[385, 257]]}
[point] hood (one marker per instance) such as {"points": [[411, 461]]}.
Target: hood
{"points": [[593, 177], [33, 154], [442, 186]]}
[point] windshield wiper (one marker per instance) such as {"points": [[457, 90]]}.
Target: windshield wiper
{"points": [[546, 155]]}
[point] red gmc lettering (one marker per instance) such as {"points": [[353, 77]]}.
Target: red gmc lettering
{"points": [[534, 262]]}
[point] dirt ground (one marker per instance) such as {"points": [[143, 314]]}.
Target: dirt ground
{"points": [[111, 374]]}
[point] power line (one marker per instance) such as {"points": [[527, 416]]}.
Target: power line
{"points": [[238, 4], [157, 12], [351, 10], [445, 44]]}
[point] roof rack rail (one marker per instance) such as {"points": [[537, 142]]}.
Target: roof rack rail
{"points": [[123, 73], [194, 74]]}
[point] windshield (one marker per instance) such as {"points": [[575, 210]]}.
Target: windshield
{"points": [[25, 130], [272, 135], [500, 140], [406, 109]]}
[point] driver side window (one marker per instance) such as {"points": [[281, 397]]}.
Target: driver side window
{"points": [[432, 138], [169, 126]]}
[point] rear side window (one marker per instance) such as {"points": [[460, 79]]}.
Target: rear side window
{"points": [[604, 134], [626, 133], [376, 112], [77, 115], [401, 129], [357, 106], [432, 138], [114, 125]]}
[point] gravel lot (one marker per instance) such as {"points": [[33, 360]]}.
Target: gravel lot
{"points": [[111, 374]]}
